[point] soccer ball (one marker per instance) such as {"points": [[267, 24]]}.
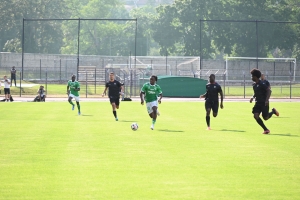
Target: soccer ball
{"points": [[134, 126]]}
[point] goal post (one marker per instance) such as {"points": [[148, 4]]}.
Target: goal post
{"points": [[292, 72]]}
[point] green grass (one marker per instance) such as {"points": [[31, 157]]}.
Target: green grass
{"points": [[48, 152]]}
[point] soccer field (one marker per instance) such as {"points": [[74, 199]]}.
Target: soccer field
{"points": [[47, 151]]}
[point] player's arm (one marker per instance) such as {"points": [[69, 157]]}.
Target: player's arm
{"points": [[68, 89], [268, 96], [142, 93], [120, 85], [122, 90], [160, 97], [104, 92], [8, 81], [222, 96], [203, 95], [251, 99], [159, 91]]}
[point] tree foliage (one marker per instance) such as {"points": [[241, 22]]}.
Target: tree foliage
{"points": [[181, 27]]}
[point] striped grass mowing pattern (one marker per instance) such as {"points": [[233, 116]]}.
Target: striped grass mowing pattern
{"points": [[47, 151]]}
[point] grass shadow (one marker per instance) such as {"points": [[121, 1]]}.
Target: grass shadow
{"points": [[86, 115], [286, 135], [232, 130], [128, 121], [167, 130]]}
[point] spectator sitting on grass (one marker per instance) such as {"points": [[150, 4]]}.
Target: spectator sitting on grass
{"points": [[41, 94]]}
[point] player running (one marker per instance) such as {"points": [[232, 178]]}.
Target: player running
{"points": [[211, 96], [262, 93], [264, 80], [149, 92], [115, 89], [73, 89]]}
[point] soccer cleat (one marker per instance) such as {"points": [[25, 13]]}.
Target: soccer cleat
{"points": [[152, 127], [208, 128], [73, 106], [117, 119], [79, 113], [266, 132], [275, 112]]}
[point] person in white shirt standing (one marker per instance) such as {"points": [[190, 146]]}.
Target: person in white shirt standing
{"points": [[6, 88]]}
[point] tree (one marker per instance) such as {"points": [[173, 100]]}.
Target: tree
{"points": [[12, 13], [99, 37], [177, 27]]}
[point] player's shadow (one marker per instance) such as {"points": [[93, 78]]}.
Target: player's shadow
{"points": [[127, 121], [168, 130], [232, 130], [86, 115], [286, 135]]}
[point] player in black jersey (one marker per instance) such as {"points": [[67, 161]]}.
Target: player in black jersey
{"points": [[262, 93], [115, 89], [211, 96], [263, 79]]}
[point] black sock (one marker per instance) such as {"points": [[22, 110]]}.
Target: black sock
{"points": [[261, 123], [115, 114], [270, 114], [208, 121]]}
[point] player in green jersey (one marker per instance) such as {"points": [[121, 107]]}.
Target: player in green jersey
{"points": [[149, 92], [73, 89]]}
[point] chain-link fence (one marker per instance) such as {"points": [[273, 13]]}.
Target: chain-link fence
{"points": [[134, 74]]}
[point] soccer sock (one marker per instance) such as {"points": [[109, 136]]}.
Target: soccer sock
{"points": [[78, 106], [270, 114], [153, 121], [261, 123], [208, 121], [115, 113], [70, 102]]}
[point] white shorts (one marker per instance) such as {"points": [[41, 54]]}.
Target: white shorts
{"points": [[150, 105], [75, 97]]}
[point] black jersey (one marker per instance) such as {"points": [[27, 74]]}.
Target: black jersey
{"points": [[266, 82], [260, 91], [113, 88], [13, 72], [212, 92]]}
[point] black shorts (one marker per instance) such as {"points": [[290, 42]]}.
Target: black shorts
{"points": [[6, 90], [214, 105], [115, 100], [260, 107]]}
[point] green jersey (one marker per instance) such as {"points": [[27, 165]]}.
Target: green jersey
{"points": [[151, 92], [72, 86]]}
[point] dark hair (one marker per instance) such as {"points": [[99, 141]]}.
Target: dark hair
{"points": [[155, 77], [73, 75], [212, 75], [111, 73], [255, 72]]}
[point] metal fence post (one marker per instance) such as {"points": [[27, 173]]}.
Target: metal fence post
{"points": [[46, 81], [290, 84], [224, 84], [95, 80], [244, 86], [59, 69], [40, 69], [166, 63], [20, 83], [86, 84]]}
